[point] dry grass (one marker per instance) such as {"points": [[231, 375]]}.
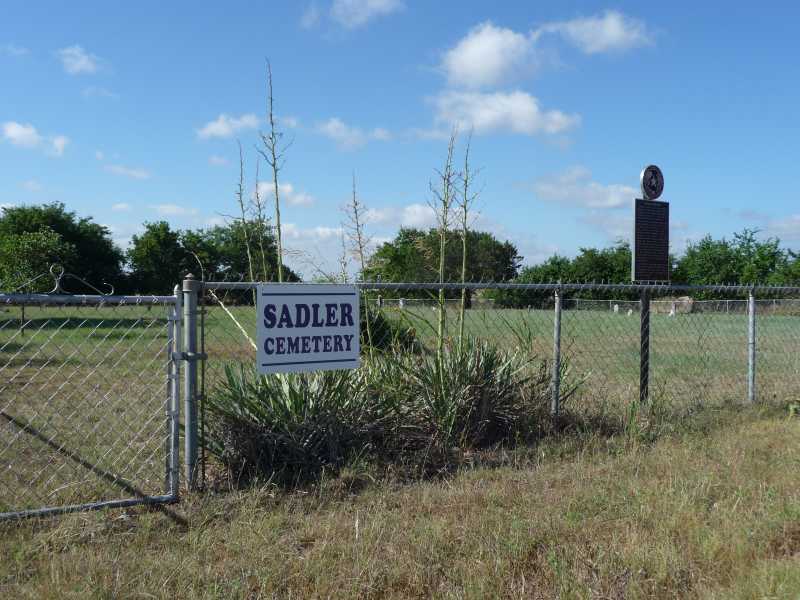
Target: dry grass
{"points": [[712, 512]]}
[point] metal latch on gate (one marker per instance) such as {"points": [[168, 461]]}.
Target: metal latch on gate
{"points": [[189, 356]]}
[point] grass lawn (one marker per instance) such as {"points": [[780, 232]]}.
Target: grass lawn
{"points": [[93, 380], [711, 509]]}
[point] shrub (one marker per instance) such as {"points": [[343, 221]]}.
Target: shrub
{"points": [[385, 332], [480, 397], [290, 426], [399, 408]]}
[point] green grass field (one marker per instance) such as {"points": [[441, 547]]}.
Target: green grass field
{"points": [[88, 386]]}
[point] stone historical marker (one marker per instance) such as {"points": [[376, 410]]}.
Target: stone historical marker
{"points": [[651, 230]]}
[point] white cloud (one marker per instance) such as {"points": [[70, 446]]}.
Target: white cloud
{"points": [[356, 13], [25, 135], [13, 50], [311, 16], [19, 134], [32, 185], [514, 112], [215, 221], [121, 207], [381, 134], [310, 234], [345, 136], [290, 122], [350, 138], [611, 31], [58, 144], [76, 60], [487, 55], [613, 225], [575, 187], [173, 210], [287, 193], [217, 161], [616, 226], [123, 171], [436, 133], [226, 126], [530, 246], [418, 215], [787, 228], [412, 215]]}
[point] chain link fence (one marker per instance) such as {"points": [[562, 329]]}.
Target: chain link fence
{"points": [[700, 343], [90, 386], [88, 402]]}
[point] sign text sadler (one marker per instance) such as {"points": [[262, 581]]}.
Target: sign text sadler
{"points": [[307, 327]]}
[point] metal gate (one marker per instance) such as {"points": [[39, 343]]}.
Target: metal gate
{"points": [[89, 402]]}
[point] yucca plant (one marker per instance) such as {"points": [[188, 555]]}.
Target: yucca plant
{"points": [[289, 426], [476, 396], [398, 407]]}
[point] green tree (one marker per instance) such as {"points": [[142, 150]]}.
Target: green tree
{"points": [[230, 246], [606, 265], [96, 258], [157, 259], [25, 256], [203, 256], [554, 269], [412, 256], [789, 273], [708, 262], [742, 260]]}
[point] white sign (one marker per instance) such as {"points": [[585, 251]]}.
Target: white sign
{"points": [[307, 327]]}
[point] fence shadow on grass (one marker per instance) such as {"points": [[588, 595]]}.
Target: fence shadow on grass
{"points": [[108, 476]]}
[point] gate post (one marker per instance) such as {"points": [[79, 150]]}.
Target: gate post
{"points": [[191, 288], [644, 351]]}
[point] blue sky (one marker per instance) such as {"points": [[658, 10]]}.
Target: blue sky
{"points": [[131, 112]]}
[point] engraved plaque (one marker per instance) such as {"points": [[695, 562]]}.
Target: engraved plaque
{"points": [[651, 241], [652, 181]]}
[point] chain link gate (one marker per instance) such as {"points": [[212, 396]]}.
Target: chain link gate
{"points": [[89, 402]]}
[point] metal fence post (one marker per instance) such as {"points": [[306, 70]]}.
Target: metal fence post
{"points": [[644, 352], [555, 400], [751, 347], [191, 288]]}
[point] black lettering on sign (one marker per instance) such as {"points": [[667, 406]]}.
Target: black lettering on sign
{"points": [[651, 241]]}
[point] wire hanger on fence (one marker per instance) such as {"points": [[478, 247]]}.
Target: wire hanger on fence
{"points": [[58, 274]]}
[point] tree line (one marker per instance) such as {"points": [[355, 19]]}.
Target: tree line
{"points": [[34, 237], [743, 259]]}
